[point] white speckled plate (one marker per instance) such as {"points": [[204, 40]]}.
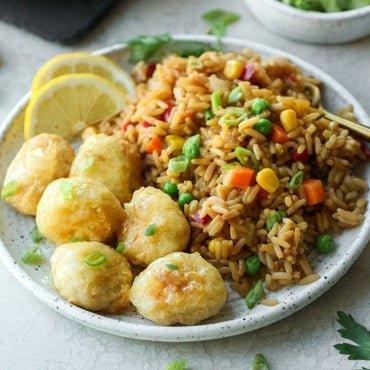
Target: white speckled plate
{"points": [[235, 318]]}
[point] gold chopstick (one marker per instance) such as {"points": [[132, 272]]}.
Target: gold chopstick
{"points": [[356, 128]]}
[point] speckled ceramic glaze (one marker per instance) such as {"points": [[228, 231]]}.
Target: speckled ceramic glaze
{"points": [[312, 27], [235, 318]]}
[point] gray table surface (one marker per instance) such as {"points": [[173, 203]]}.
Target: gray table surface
{"points": [[34, 337]]}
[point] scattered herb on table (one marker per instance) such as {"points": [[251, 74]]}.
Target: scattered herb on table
{"points": [[36, 235], [356, 333], [218, 21], [259, 363], [179, 364]]}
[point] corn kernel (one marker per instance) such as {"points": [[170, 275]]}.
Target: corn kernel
{"points": [[233, 69], [268, 180], [175, 142], [288, 119]]}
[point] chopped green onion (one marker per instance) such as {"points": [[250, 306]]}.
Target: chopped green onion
{"points": [[36, 235], [120, 247], [259, 105], [264, 126], [172, 266], [87, 163], [243, 154], [259, 363], [236, 94], [274, 218], [255, 294], [171, 189], [95, 259], [185, 198], [178, 164], [216, 101], [191, 148], [32, 256], [150, 230], [76, 240], [230, 166], [66, 187], [9, 189], [208, 114], [144, 47], [296, 180], [179, 364], [233, 117]]}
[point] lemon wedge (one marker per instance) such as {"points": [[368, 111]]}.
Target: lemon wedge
{"points": [[66, 105], [82, 62]]}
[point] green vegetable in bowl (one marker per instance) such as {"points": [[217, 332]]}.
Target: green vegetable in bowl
{"points": [[328, 6]]}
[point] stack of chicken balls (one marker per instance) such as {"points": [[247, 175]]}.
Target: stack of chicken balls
{"points": [[89, 203]]}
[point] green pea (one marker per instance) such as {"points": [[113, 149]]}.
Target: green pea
{"points": [[324, 243], [191, 148], [259, 105], [252, 265], [263, 126], [171, 189], [185, 198]]}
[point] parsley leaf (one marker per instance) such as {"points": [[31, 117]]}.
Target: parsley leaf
{"points": [[218, 20], [179, 364], [259, 363], [144, 47], [356, 333]]}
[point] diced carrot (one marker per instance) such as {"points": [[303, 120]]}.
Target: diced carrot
{"points": [[240, 177], [278, 134], [314, 191], [262, 194], [154, 145]]}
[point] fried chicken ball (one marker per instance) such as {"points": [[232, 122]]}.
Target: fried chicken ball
{"points": [[154, 226], [40, 160], [78, 209], [112, 161], [179, 288], [92, 275]]}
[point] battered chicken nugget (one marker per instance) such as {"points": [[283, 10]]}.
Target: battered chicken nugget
{"points": [[78, 209], [112, 161], [179, 288], [92, 275], [40, 160], [154, 226]]}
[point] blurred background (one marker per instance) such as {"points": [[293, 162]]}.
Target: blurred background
{"points": [[34, 337]]}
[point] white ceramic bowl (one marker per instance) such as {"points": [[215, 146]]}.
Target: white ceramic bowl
{"points": [[235, 318], [312, 27]]}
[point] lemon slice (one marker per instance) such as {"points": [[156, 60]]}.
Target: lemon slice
{"points": [[83, 63], [66, 105]]}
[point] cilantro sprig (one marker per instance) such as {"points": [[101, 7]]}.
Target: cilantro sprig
{"points": [[218, 20], [356, 333]]}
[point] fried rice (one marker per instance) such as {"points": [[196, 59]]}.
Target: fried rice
{"points": [[173, 101]]}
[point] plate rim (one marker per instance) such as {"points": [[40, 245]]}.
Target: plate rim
{"points": [[203, 331]]}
